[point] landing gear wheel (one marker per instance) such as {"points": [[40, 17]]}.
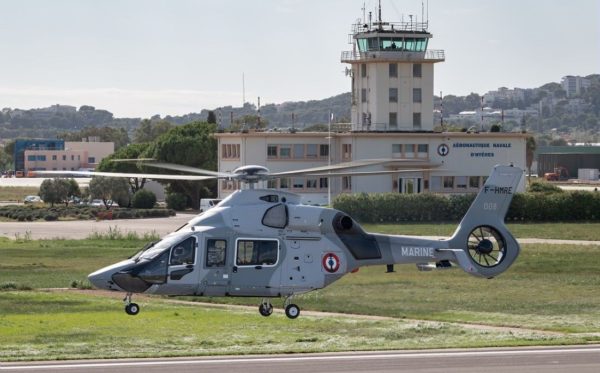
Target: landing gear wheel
{"points": [[265, 309], [132, 309], [292, 311], [486, 246]]}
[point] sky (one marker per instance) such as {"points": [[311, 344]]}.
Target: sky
{"points": [[137, 58]]}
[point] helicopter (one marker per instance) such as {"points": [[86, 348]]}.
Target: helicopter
{"points": [[265, 243]]}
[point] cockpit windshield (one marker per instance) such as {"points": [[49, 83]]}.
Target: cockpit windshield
{"points": [[159, 247]]}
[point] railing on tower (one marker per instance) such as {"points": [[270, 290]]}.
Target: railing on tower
{"points": [[430, 54]]}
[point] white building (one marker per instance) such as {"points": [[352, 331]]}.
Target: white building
{"points": [[392, 118], [573, 85]]}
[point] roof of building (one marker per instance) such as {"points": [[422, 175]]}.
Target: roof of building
{"points": [[568, 150]]}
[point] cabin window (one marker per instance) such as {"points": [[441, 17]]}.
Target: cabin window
{"points": [[257, 252], [276, 217], [183, 252], [215, 253]]}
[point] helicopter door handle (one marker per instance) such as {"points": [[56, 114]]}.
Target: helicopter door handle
{"points": [[258, 267]]}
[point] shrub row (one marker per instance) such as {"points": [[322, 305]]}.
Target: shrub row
{"points": [[77, 212], [527, 207], [122, 213]]}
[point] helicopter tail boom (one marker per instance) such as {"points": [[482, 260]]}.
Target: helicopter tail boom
{"points": [[482, 245]]}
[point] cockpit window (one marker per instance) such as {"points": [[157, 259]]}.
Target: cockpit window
{"points": [[183, 252], [159, 247], [276, 217]]}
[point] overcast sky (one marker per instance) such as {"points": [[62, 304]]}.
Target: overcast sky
{"points": [[145, 57]]}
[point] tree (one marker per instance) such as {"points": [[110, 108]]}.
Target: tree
{"points": [[132, 151], [55, 191], [530, 147], [149, 130], [143, 199], [212, 118], [193, 145], [108, 189]]}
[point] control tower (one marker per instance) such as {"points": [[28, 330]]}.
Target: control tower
{"points": [[392, 75]]}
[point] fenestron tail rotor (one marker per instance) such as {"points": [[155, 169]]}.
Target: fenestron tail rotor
{"points": [[486, 246]]}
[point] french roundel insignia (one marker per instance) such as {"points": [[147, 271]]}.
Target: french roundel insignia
{"points": [[331, 262]]}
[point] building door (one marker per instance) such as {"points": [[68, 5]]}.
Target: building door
{"points": [[410, 185]]}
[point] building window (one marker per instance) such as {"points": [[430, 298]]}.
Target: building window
{"points": [[311, 183], [271, 151], [298, 151], [285, 151], [346, 151], [393, 94], [272, 183], [64, 157], [346, 182], [417, 95], [284, 183], [311, 150], [91, 160], [324, 150], [54, 157], [397, 149], [417, 121], [298, 183], [417, 70], [363, 95], [461, 182], [363, 70], [31, 158], [423, 149], [409, 150], [230, 151], [72, 157], [393, 120], [448, 182], [323, 183], [393, 70], [474, 182]]}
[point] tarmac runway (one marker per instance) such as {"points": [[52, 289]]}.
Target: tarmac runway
{"points": [[581, 359]]}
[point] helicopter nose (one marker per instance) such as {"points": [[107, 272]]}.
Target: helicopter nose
{"points": [[102, 278]]}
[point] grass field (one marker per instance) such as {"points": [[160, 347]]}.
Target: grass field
{"points": [[16, 193], [551, 295], [39, 325]]}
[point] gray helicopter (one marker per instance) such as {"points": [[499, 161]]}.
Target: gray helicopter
{"points": [[265, 243]]}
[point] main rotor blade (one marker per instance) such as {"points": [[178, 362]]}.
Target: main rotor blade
{"points": [[189, 169], [338, 166], [368, 173], [126, 174]]}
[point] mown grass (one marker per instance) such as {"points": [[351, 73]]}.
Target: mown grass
{"points": [[40, 325], [563, 231], [550, 287], [16, 193]]}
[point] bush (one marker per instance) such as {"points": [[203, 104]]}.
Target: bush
{"points": [[426, 207], [143, 199], [543, 187], [176, 201]]}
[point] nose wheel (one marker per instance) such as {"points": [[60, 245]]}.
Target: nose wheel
{"points": [[131, 308], [265, 308]]}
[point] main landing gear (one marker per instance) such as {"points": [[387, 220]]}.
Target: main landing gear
{"points": [[291, 310], [131, 308]]}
